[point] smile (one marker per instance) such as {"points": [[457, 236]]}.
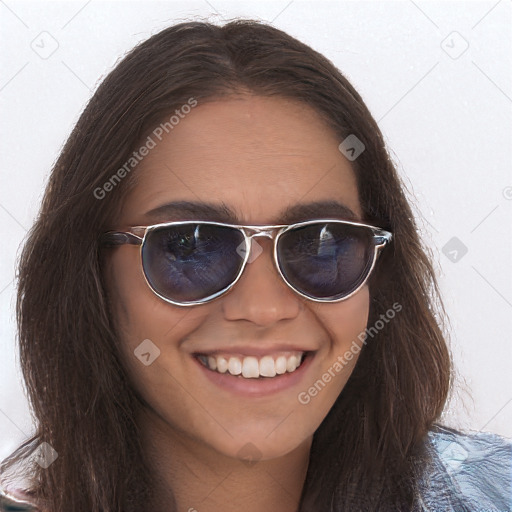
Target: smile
{"points": [[250, 367]]}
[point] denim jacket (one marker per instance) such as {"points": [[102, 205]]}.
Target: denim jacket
{"points": [[472, 473]]}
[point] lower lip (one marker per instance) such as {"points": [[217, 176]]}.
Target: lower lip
{"points": [[262, 386]]}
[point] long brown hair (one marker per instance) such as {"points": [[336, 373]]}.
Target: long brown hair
{"points": [[365, 453]]}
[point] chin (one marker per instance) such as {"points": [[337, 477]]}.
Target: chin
{"points": [[260, 446]]}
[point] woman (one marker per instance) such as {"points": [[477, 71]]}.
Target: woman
{"points": [[224, 302]]}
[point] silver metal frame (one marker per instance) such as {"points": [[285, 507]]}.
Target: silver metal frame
{"points": [[136, 235]]}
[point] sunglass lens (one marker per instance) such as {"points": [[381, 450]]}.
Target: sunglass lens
{"points": [[326, 260], [189, 262]]}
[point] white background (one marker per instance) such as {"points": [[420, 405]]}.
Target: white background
{"points": [[445, 113]]}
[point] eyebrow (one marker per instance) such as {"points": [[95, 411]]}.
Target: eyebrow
{"points": [[220, 212]]}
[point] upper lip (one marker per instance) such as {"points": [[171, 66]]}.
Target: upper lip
{"points": [[254, 350]]}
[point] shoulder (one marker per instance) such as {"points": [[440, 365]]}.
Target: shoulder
{"points": [[16, 481], [18, 503], [470, 471]]}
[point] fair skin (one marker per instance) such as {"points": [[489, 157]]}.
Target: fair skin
{"points": [[258, 156]]}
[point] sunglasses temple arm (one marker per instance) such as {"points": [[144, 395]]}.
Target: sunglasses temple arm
{"points": [[115, 238]]}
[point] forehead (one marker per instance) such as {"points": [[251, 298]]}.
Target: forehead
{"points": [[256, 158]]}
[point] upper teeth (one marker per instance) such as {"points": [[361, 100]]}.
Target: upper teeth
{"points": [[252, 367]]}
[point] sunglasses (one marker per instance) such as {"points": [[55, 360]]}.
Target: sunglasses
{"points": [[193, 262]]}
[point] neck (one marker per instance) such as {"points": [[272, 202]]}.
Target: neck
{"points": [[197, 478]]}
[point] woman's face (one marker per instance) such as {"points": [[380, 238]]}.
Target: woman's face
{"points": [[258, 156]]}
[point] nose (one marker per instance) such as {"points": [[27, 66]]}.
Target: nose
{"points": [[260, 295]]}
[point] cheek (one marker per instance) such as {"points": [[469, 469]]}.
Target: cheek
{"points": [[142, 319], [132, 299], [345, 323]]}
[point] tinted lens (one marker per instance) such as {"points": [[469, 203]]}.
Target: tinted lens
{"points": [[327, 259], [189, 262]]}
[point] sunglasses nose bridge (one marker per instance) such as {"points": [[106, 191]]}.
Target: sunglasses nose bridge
{"points": [[261, 232], [267, 232], [258, 232]]}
